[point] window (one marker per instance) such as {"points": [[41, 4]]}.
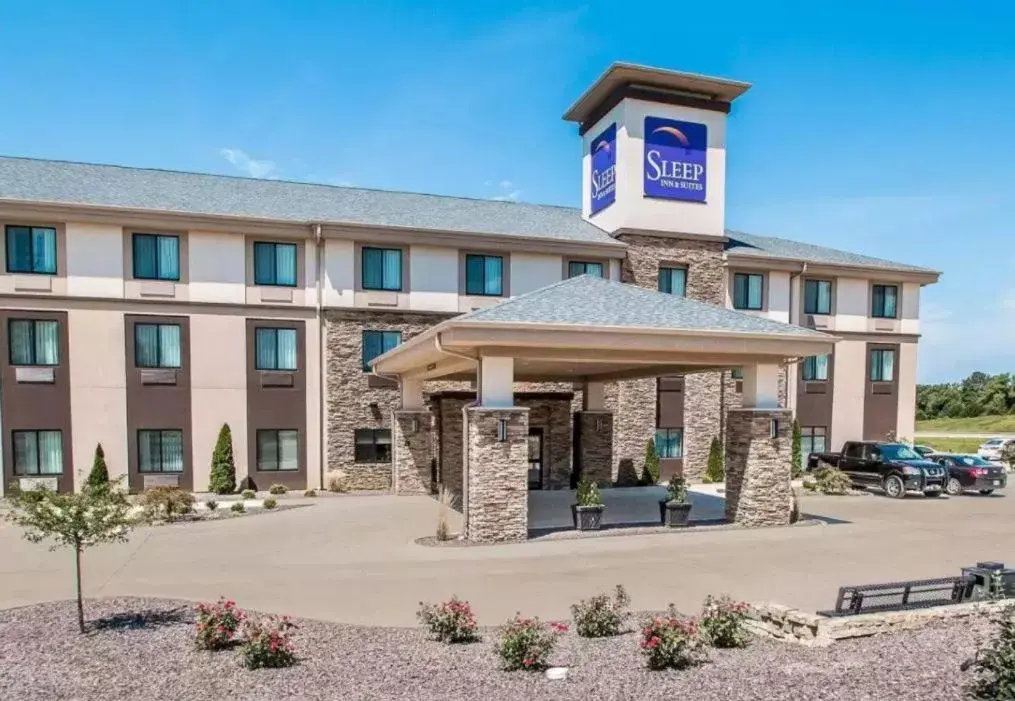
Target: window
{"points": [[484, 275], [673, 281], [748, 291], [373, 445], [33, 342], [817, 297], [670, 442], [737, 373], [156, 257], [816, 367], [884, 301], [160, 450], [376, 343], [275, 264], [812, 439], [278, 449], [382, 269], [579, 267], [157, 345], [275, 349], [882, 365], [31, 249], [38, 452]]}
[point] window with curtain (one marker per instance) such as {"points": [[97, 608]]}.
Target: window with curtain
{"points": [[816, 367], [885, 299], [484, 275], [382, 269], [817, 297], [157, 346], [737, 373], [748, 291], [373, 445], [673, 281], [670, 442], [156, 257], [31, 249], [580, 267], [275, 264], [278, 449], [275, 349], [812, 439], [37, 452], [882, 365], [160, 450], [377, 343], [34, 342]]}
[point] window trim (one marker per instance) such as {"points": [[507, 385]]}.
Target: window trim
{"points": [[33, 321], [812, 361], [831, 296], [733, 290], [505, 265], [158, 347], [809, 432], [898, 299], [879, 352], [162, 470], [668, 429], [363, 341], [158, 277], [403, 269], [38, 467], [31, 243], [604, 265], [278, 452], [275, 330], [274, 246], [374, 432], [671, 269]]}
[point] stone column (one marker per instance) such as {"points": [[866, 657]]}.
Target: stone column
{"points": [[758, 491], [635, 424], [411, 444], [702, 392], [595, 445], [496, 480]]}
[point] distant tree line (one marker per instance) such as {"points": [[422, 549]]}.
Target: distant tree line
{"points": [[978, 395]]}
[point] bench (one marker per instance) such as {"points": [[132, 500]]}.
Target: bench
{"points": [[899, 596]]}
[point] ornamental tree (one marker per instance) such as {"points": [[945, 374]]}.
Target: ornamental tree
{"points": [[716, 471], [797, 448], [650, 469], [99, 476], [223, 469], [73, 520]]}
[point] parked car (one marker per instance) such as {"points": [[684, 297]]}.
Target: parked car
{"points": [[994, 448], [971, 472], [894, 467], [924, 450]]}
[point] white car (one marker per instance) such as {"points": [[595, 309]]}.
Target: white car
{"points": [[993, 449]]}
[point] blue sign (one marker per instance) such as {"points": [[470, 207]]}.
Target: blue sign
{"points": [[675, 159], [604, 169]]}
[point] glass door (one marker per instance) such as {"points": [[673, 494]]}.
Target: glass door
{"points": [[535, 458]]}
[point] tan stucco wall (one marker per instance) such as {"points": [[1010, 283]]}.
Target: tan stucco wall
{"points": [[848, 401], [98, 389], [907, 391], [314, 394], [218, 390]]}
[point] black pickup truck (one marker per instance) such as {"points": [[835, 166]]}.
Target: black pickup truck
{"points": [[894, 467]]}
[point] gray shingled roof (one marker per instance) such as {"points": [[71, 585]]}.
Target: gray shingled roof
{"points": [[741, 244], [194, 193], [589, 300]]}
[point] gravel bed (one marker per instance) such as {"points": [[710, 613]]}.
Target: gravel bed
{"points": [[43, 657]]}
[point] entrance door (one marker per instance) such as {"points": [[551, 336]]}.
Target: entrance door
{"points": [[535, 458]]}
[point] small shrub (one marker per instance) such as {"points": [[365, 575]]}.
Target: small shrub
{"points": [[444, 498], [526, 643], [237, 507], [211, 505], [676, 491], [166, 503], [449, 622], [248, 494], [722, 622], [310, 493], [269, 503], [337, 481], [650, 469], [994, 663], [602, 615], [588, 493], [217, 624], [98, 478], [670, 642], [277, 489], [268, 643], [715, 471], [830, 480]]}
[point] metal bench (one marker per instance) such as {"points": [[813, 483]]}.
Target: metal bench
{"points": [[899, 596]]}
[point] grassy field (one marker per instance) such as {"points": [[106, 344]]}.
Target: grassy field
{"points": [[977, 424], [951, 445]]}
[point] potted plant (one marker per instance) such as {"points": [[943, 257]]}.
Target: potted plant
{"points": [[675, 509], [588, 512]]}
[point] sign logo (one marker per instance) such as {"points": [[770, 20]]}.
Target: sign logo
{"points": [[675, 157], [604, 169]]}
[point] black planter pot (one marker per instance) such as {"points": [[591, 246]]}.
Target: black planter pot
{"points": [[587, 518], [674, 514]]}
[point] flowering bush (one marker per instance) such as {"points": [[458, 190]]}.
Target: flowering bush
{"points": [[449, 622], [670, 642], [602, 615], [722, 622], [217, 624], [526, 643], [268, 643]]}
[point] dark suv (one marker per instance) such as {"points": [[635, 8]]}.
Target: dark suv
{"points": [[894, 467]]}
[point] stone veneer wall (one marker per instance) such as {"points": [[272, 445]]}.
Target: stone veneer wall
{"points": [[596, 459], [411, 448], [758, 491], [497, 492]]}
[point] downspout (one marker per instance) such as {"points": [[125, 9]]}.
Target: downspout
{"points": [[321, 351], [794, 319]]}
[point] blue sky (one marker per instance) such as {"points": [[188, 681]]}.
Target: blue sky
{"points": [[882, 128]]}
